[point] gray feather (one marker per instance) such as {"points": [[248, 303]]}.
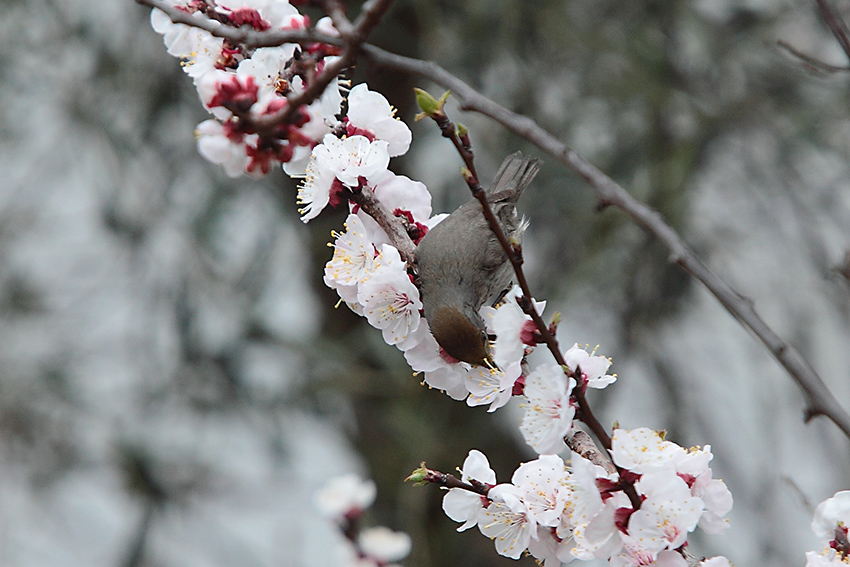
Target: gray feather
{"points": [[460, 262]]}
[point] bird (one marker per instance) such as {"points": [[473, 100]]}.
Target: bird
{"points": [[461, 264]]}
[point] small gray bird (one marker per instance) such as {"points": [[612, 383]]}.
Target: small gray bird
{"points": [[461, 263]]}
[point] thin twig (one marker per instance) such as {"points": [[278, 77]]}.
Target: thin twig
{"points": [[812, 63], [819, 399], [836, 25], [424, 475]]}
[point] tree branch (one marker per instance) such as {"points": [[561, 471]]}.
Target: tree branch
{"points": [[394, 227], [244, 35], [836, 25], [820, 401]]}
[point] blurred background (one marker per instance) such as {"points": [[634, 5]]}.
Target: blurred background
{"points": [[175, 382]]}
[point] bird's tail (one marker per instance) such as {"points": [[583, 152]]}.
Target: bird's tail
{"points": [[515, 174]]}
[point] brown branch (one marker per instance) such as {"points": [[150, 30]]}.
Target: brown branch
{"points": [[812, 63], [423, 475], [580, 442], [394, 227], [820, 401]]}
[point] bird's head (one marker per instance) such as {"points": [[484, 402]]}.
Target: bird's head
{"points": [[460, 337]]}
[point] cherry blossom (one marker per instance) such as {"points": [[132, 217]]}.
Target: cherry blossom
{"points": [[345, 496], [832, 514], [265, 67], [584, 504], [545, 487], [828, 558], [369, 112], [511, 326], [830, 524], [549, 411], [402, 197], [642, 450], [353, 260], [600, 536], [383, 544], [219, 145], [717, 499], [492, 386], [507, 522], [347, 161], [461, 505], [425, 357], [390, 300], [198, 49], [667, 515], [593, 368]]}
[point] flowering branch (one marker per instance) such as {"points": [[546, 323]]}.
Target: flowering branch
{"points": [[640, 503], [820, 400], [514, 254], [392, 225], [423, 475], [244, 35], [354, 37]]}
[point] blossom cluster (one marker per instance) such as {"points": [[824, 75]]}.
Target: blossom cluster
{"points": [[337, 153], [558, 513], [244, 89], [831, 523], [340, 145], [344, 500]]}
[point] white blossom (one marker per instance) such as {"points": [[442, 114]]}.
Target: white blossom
{"points": [[462, 505], [510, 325], [345, 495], [506, 521], [370, 111], [592, 367], [383, 544], [492, 386], [390, 300], [545, 487], [346, 160], [215, 146], [425, 357], [667, 515], [548, 409], [353, 261], [642, 450], [401, 194]]}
